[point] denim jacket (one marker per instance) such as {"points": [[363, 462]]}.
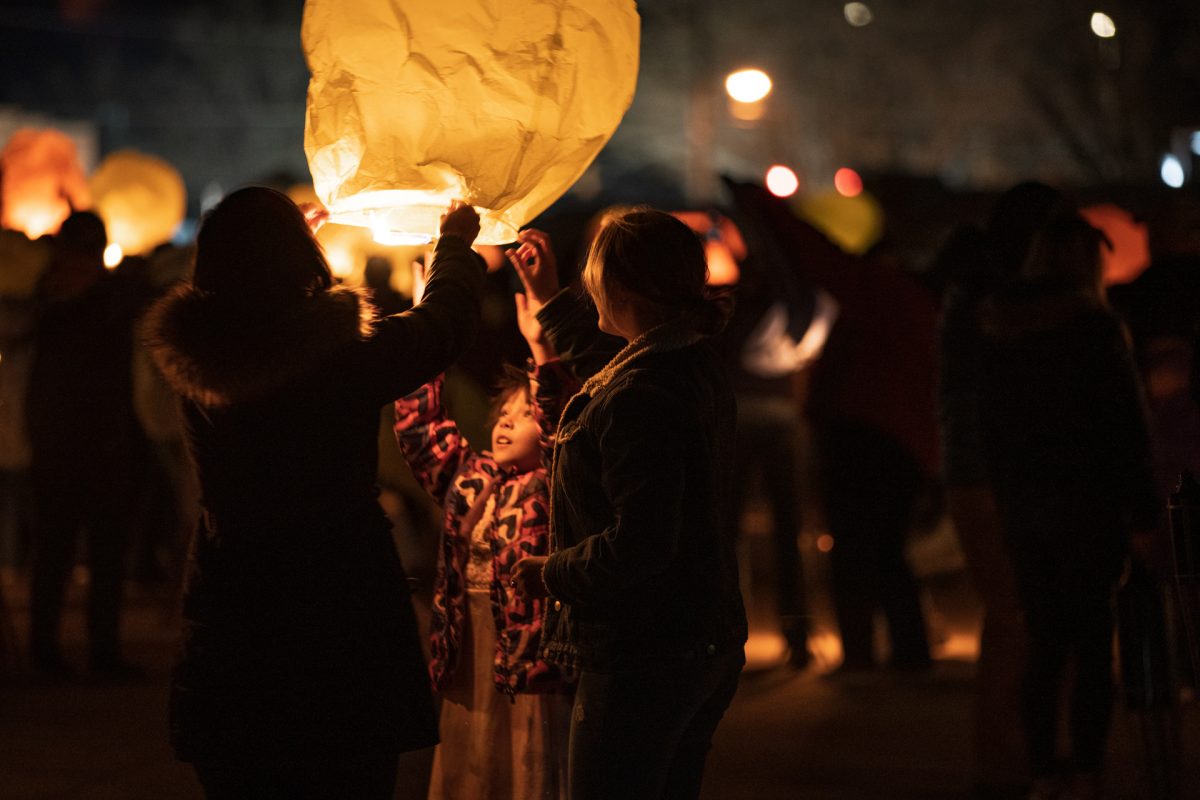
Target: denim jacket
{"points": [[643, 570]]}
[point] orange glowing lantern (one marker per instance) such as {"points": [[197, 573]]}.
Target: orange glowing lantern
{"points": [[1130, 253], [141, 199], [501, 103], [42, 181], [723, 244]]}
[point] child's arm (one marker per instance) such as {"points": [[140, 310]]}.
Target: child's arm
{"points": [[551, 385], [429, 440]]}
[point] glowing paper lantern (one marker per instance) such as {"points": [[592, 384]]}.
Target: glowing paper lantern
{"points": [[852, 223], [347, 248], [42, 181], [141, 199], [502, 103], [723, 244], [1130, 253]]}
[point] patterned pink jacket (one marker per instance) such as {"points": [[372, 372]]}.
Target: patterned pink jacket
{"points": [[461, 479]]}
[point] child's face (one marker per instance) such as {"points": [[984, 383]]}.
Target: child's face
{"points": [[515, 438]]}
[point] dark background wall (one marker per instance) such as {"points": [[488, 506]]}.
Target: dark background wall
{"points": [[973, 94]]}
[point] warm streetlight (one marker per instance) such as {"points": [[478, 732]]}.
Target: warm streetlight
{"points": [[781, 181], [1103, 25], [748, 85]]}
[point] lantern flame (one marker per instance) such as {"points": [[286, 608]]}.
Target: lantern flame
{"points": [[113, 255]]}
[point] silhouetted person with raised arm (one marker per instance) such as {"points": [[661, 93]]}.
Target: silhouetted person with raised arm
{"points": [[302, 674]]}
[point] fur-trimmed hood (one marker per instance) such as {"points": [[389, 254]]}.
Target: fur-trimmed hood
{"points": [[216, 353]]}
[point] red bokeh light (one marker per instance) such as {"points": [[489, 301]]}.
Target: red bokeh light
{"points": [[847, 182]]}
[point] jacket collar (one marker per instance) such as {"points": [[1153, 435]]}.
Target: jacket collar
{"points": [[674, 335], [216, 353]]}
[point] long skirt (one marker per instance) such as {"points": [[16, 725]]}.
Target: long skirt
{"points": [[492, 748]]}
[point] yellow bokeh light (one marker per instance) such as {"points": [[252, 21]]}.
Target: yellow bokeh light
{"points": [[1103, 25], [748, 85], [113, 255], [858, 14], [782, 181]]}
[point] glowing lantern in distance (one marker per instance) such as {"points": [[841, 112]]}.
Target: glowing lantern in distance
{"points": [[723, 244], [748, 85], [852, 223], [502, 103], [847, 182], [41, 181], [781, 181], [1130, 253], [141, 199]]}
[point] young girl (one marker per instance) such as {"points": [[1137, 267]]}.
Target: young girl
{"points": [[503, 707], [643, 581]]}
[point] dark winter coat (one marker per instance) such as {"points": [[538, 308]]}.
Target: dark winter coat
{"points": [[643, 571], [299, 633], [1063, 421]]}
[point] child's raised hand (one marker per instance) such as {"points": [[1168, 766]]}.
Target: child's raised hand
{"points": [[531, 329], [533, 259]]}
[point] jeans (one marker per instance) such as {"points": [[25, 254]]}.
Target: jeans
{"points": [[644, 734]]}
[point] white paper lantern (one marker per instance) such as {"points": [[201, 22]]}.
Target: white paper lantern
{"points": [[502, 103]]}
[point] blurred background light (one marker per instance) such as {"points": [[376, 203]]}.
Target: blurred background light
{"points": [[748, 85], [1103, 25], [847, 182], [858, 14], [1172, 171], [781, 181], [1196, 143], [113, 255]]}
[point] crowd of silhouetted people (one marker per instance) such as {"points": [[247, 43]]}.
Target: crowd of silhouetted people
{"points": [[207, 419]]}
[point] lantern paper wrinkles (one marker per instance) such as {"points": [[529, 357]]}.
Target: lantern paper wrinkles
{"points": [[502, 103], [141, 199], [42, 181]]}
